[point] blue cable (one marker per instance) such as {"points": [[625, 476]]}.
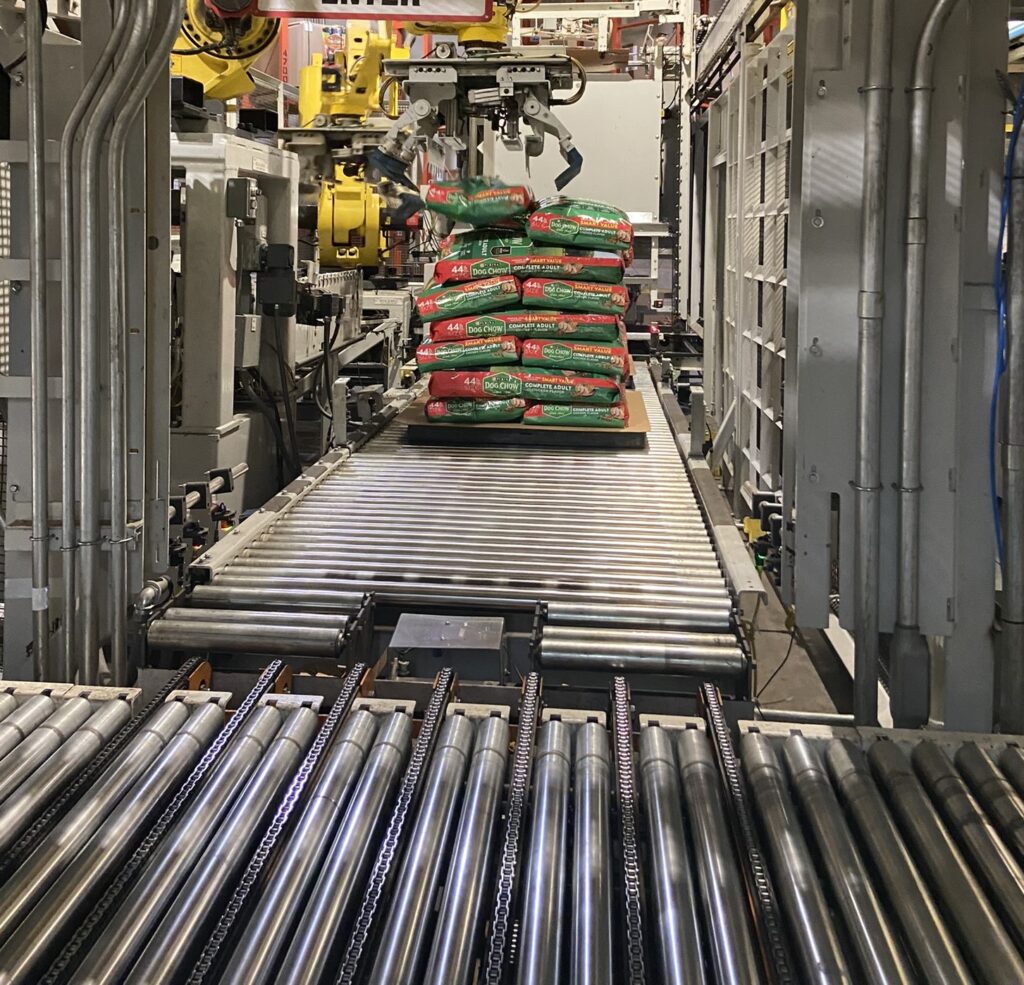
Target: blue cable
{"points": [[999, 282]]}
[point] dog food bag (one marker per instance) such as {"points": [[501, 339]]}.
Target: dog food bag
{"points": [[536, 261], [469, 352], [529, 325], [574, 295], [479, 201], [553, 387], [599, 358], [577, 415], [580, 222], [436, 301], [487, 241], [463, 411]]}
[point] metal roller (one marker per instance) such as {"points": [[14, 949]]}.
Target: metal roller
{"points": [[461, 912], [175, 939], [1003, 804], [677, 936], [23, 721], [993, 863], [1011, 762], [732, 949], [647, 658], [235, 636], [542, 934], [52, 776], [879, 954], [603, 634], [8, 705], [591, 948], [231, 598], [985, 941], [67, 900], [142, 908], [710, 613], [260, 945], [56, 851], [290, 619], [321, 930], [803, 901], [935, 954], [407, 930]]}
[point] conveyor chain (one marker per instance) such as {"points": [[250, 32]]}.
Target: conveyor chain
{"points": [[767, 916], [408, 794], [84, 935], [499, 945], [42, 826], [325, 736], [626, 793]]}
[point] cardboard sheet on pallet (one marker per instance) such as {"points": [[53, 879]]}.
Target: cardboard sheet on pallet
{"points": [[420, 431]]}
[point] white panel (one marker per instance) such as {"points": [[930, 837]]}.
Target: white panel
{"points": [[617, 128], [463, 10]]}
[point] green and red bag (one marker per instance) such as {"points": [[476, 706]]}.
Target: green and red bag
{"points": [[469, 352], [467, 299], [580, 222], [479, 201], [577, 416], [463, 411], [574, 295], [539, 261], [549, 387], [530, 325], [585, 357]]}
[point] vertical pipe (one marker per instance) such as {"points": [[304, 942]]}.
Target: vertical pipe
{"points": [[69, 336], [1011, 662], [89, 429], [165, 34], [591, 952], [34, 29], [909, 653], [870, 316]]}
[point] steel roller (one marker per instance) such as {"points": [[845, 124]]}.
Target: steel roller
{"points": [[590, 953], [290, 619], [649, 658], [407, 930], [1003, 804], [141, 909], [319, 936], [460, 917], [23, 721], [713, 614], [164, 958], [733, 952], [37, 790], [233, 597], [677, 936], [244, 637], [638, 636], [1011, 762], [265, 936], [67, 900], [986, 943], [877, 949], [542, 935], [8, 705], [992, 861]]}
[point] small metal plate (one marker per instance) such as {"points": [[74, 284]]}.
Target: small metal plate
{"points": [[421, 632]]}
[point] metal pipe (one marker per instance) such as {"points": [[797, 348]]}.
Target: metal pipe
{"points": [[28, 716], [174, 941], [870, 317], [1011, 650], [69, 336], [164, 33], [542, 939], [935, 954], [880, 957], [986, 943], [733, 953], [67, 900], [993, 863], [461, 912], [140, 910], [796, 881], [259, 948], [39, 403], [28, 883], [89, 388], [319, 936], [77, 748], [408, 929], [677, 937], [245, 637], [909, 652], [642, 658], [1003, 804], [591, 949]]}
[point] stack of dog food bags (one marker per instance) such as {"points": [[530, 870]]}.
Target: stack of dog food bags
{"points": [[526, 310]]}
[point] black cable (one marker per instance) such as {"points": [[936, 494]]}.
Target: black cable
{"points": [[775, 673], [286, 395]]}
